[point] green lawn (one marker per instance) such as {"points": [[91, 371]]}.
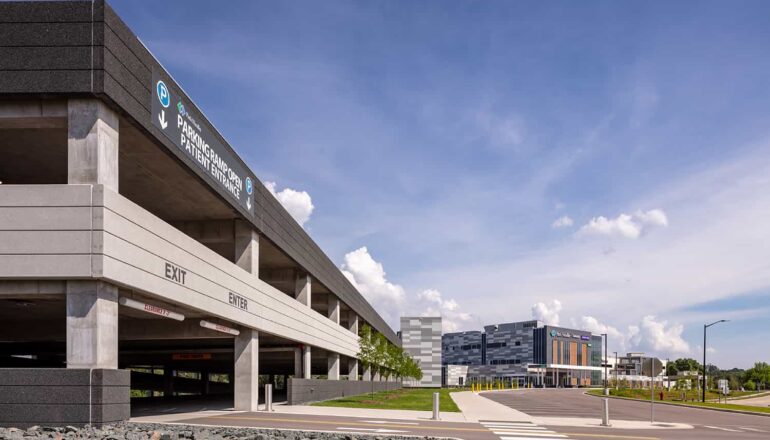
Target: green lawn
{"points": [[418, 399], [692, 398]]}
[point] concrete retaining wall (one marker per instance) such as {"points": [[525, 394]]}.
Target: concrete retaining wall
{"points": [[313, 390], [59, 397]]}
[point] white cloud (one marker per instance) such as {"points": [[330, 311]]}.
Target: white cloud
{"points": [[297, 203], [625, 225], [547, 313], [452, 319], [562, 222], [658, 337], [368, 276], [390, 299], [615, 338]]}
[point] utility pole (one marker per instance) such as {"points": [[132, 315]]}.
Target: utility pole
{"points": [[705, 327], [616, 370]]}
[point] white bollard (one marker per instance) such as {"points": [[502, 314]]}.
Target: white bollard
{"points": [[606, 413], [435, 406], [268, 397]]}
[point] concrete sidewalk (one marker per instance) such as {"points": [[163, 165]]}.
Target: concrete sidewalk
{"points": [[474, 407]]}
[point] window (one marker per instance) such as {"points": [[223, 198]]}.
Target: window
{"points": [[518, 343]]}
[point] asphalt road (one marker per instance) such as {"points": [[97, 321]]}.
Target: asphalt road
{"points": [[374, 426], [574, 403]]}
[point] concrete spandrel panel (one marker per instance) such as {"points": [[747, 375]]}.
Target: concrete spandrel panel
{"points": [[45, 195], [133, 246], [45, 242], [214, 278], [45, 266], [44, 219]]}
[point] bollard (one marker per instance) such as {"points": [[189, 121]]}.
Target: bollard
{"points": [[606, 413], [435, 406], [268, 397]]}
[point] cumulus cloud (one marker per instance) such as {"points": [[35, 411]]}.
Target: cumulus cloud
{"points": [[297, 203], [368, 276], [562, 222], [658, 336], [391, 300], [614, 337], [433, 304], [547, 312], [625, 225]]}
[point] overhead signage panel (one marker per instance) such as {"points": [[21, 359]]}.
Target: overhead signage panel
{"points": [[181, 123]]}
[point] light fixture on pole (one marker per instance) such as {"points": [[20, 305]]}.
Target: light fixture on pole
{"points": [[705, 327]]}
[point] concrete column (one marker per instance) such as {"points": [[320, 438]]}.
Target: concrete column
{"points": [[307, 362], [302, 288], [367, 373], [92, 145], [298, 363], [352, 369], [334, 308], [247, 370], [246, 247], [92, 325], [353, 322], [333, 364]]}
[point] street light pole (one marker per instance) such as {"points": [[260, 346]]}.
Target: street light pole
{"points": [[705, 327], [616, 369], [606, 390]]}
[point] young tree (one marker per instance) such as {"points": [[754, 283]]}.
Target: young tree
{"points": [[367, 351]]}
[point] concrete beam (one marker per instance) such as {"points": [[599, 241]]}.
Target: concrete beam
{"points": [[333, 366], [92, 325], [247, 370], [158, 329], [278, 275], [209, 231], [303, 289], [32, 288], [246, 247], [92, 131], [334, 308], [33, 114]]}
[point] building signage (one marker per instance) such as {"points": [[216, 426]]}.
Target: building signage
{"points": [[238, 301], [585, 338], [219, 328], [149, 308], [187, 129], [175, 273], [191, 356]]}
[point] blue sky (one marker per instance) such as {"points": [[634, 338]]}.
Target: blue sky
{"points": [[439, 143]]}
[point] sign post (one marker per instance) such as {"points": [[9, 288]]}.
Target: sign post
{"points": [[652, 367]]}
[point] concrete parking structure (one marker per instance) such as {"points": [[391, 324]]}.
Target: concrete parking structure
{"points": [[134, 241]]}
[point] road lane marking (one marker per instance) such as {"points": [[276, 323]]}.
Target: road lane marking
{"points": [[753, 429], [534, 438], [325, 422], [386, 421], [722, 429], [377, 430]]}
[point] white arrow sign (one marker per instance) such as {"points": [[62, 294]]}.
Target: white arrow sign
{"points": [[248, 203], [378, 430], [162, 119]]}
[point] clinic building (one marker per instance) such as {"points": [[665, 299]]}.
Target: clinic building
{"points": [[527, 353]]}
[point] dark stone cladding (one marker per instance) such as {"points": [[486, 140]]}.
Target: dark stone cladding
{"points": [[82, 48], [301, 391], [60, 396]]}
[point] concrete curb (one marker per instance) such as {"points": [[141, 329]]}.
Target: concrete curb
{"points": [[684, 405]]}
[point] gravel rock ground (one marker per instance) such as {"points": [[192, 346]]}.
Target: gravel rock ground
{"points": [[146, 431]]}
